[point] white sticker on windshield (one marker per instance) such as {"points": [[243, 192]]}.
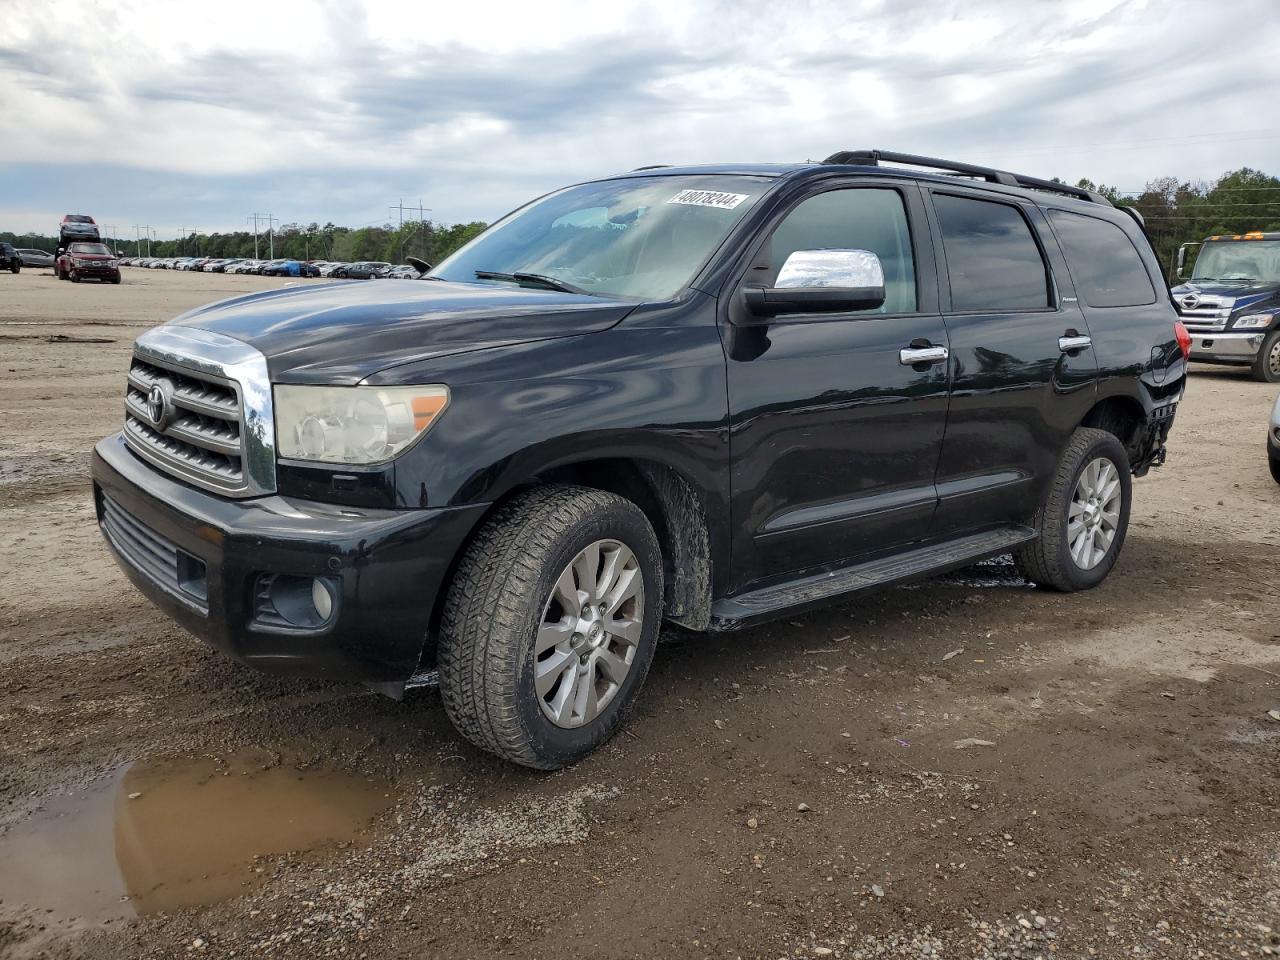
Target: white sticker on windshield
{"points": [[709, 198]]}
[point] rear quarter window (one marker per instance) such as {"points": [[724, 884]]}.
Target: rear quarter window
{"points": [[1105, 264]]}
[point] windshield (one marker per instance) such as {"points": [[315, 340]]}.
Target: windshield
{"points": [[90, 248], [1239, 260], [643, 237]]}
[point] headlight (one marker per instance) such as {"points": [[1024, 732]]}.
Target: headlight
{"points": [[354, 424], [79, 263], [1252, 321]]}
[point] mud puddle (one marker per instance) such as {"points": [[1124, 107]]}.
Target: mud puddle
{"points": [[159, 835]]}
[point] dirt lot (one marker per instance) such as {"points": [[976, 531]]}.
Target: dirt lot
{"points": [[966, 768]]}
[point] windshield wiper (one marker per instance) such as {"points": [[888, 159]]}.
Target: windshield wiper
{"points": [[533, 279]]}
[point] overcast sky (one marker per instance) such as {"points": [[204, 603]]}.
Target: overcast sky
{"points": [[200, 114]]}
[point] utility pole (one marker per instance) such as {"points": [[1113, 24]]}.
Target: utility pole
{"points": [[422, 227], [271, 235], [182, 233], [255, 217], [137, 238]]}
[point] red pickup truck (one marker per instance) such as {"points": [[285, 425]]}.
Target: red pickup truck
{"points": [[82, 260]]}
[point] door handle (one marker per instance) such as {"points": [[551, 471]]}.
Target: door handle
{"points": [[1074, 341], [910, 356]]}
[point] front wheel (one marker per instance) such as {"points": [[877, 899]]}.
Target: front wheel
{"points": [[550, 625], [15, 267], [1084, 517], [1266, 365], [73, 276], [1274, 462]]}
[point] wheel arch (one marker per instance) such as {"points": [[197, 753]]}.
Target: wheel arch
{"points": [[668, 500], [1122, 416]]}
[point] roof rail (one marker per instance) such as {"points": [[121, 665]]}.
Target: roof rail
{"points": [[872, 158], [652, 166]]}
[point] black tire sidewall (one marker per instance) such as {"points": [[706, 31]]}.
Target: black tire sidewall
{"points": [[557, 745], [1261, 368], [1109, 447]]}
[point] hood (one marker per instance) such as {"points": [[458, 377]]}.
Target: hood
{"points": [[1244, 293], [343, 332]]}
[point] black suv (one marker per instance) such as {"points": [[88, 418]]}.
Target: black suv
{"points": [[714, 395], [10, 259]]}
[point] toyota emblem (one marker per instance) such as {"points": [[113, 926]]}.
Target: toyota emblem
{"points": [[158, 406], [1190, 301]]}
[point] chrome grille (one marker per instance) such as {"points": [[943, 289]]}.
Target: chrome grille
{"points": [[198, 406], [202, 437], [1204, 313]]}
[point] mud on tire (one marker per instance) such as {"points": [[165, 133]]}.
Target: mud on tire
{"points": [[495, 608], [1048, 561]]}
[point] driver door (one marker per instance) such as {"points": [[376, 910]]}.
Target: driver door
{"points": [[835, 435]]}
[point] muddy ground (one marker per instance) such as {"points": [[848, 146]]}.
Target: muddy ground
{"points": [[964, 768]]}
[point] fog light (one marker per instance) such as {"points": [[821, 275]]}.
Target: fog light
{"points": [[322, 598]]}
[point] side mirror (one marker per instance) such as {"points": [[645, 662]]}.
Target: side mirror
{"points": [[1180, 265], [820, 281]]}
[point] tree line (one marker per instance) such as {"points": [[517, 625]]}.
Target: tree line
{"points": [[1175, 212], [393, 243], [1178, 212]]}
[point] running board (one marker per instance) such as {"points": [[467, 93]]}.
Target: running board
{"points": [[748, 609]]}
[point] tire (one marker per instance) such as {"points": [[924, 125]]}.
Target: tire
{"points": [[1266, 365], [1049, 561], [499, 602], [15, 267], [116, 278], [73, 276], [1273, 462]]}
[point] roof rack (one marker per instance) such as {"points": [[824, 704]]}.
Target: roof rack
{"points": [[652, 166], [872, 158]]}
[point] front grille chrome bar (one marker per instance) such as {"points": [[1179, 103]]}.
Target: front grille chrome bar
{"points": [[219, 430]]}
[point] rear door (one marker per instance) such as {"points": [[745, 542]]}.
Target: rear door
{"points": [[1017, 391]]}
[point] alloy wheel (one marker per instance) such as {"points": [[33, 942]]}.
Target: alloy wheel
{"points": [[1094, 514], [590, 629]]}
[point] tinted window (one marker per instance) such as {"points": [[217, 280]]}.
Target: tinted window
{"points": [[992, 258], [1106, 266], [858, 219]]}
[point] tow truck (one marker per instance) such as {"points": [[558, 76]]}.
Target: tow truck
{"points": [[1230, 303]]}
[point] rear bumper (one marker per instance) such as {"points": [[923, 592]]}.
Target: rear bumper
{"points": [[384, 568], [1226, 347]]}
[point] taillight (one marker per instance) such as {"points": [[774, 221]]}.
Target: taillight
{"points": [[1184, 339]]}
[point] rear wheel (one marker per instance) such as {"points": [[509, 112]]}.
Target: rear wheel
{"points": [[1266, 365], [550, 625], [1085, 515]]}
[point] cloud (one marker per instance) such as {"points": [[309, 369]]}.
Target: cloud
{"points": [[332, 111]]}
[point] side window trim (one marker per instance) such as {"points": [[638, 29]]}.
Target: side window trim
{"points": [[923, 249], [1052, 290]]}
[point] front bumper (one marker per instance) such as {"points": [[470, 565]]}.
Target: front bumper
{"points": [[385, 569], [1226, 347], [102, 273]]}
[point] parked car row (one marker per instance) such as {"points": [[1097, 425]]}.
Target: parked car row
{"points": [[361, 270]]}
